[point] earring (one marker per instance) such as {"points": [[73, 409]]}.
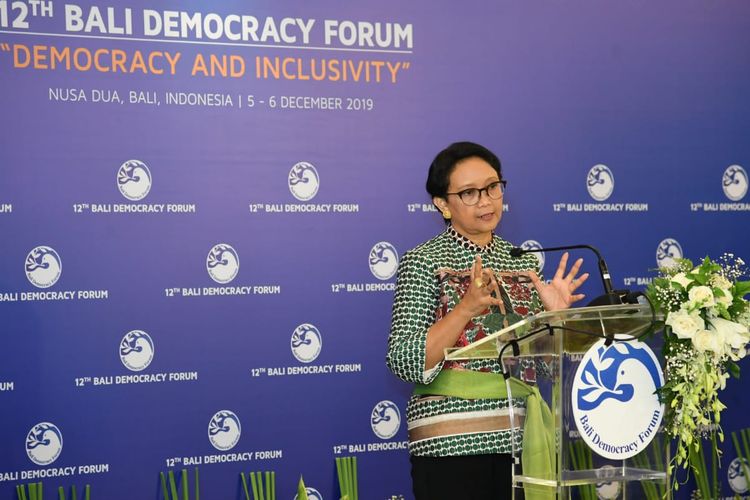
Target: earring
{"points": [[447, 214]]}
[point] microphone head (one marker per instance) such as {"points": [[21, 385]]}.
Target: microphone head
{"points": [[516, 252]]}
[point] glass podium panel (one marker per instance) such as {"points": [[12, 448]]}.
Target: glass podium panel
{"points": [[551, 346]]}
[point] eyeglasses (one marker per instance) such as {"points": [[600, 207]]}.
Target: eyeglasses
{"points": [[471, 196]]}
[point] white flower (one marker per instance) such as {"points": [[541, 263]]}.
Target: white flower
{"points": [[705, 340], [682, 279], [685, 324], [744, 318], [720, 281], [725, 299], [731, 333], [723, 284], [701, 296]]}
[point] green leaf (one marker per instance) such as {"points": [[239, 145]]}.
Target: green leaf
{"points": [[741, 288], [244, 486], [723, 312], [734, 369], [164, 486], [660, 282], [739, 306], [254, 484], [301, 491], [709, 267]]}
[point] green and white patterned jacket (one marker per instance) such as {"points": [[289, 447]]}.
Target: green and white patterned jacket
{"points": [[432, 278]]}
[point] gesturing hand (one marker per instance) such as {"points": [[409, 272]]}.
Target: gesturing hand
{"points": [[558, 293], [479, 296]]}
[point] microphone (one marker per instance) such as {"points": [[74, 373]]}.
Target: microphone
{"points": [[610, 296]]}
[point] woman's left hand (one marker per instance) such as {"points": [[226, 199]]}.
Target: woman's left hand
{"points": [[558, 293]]}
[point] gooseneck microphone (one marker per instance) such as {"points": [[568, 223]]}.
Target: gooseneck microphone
{"points": [[610, 296]]}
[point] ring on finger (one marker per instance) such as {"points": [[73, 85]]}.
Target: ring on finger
{"points": [[479, 282]]}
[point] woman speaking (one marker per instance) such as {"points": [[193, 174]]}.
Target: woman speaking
{"points": [[452, 290]]}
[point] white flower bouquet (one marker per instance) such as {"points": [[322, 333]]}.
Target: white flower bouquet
{"points": [[706, 332]]}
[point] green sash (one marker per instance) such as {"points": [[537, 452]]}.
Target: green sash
{"points": [[538, 453]]}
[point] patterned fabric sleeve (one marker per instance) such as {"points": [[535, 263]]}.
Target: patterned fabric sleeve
{"points": [[536, 301], [414, 308]]}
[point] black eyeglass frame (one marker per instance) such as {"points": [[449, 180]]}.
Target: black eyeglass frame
{"points": [[486, 189]]}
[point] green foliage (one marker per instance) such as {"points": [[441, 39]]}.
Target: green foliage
{"points": [[301, 491], [581, 459], [169, 489], [346, 468], [263, 489], [35, 491], [743, 452], [652, 458]]}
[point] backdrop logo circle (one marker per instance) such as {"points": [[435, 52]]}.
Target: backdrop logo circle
{"points": [[667, 253], [600, 182], [43, 266], [383, 260], [44, 443], [134, 180], [734, 182], [534, 245], [306, 343], [136, 350], [385, 419], [736, 475], [222, 263], [312, 494], [304, 181], [615, 409], [224, 430]]}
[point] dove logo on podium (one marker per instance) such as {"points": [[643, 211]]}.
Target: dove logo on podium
{"points": [[615, 406]]}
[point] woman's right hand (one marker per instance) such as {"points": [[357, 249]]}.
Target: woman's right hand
{"points": [[475, 302], [479, 296]]}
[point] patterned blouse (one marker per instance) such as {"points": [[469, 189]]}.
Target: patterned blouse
{"points": [[432, 279]]}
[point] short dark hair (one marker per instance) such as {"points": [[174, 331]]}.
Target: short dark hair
{"points": [[442, 166]]}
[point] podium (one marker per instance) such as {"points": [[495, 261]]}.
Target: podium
{"points": [[549, 349]]}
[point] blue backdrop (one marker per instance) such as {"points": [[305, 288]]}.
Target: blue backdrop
{"points": [[201, 209]]}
